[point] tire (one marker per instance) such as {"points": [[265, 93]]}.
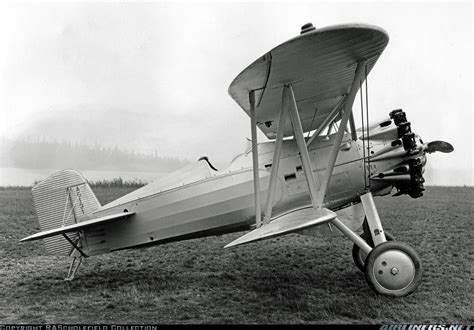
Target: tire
{"points": [[393, 269], [359, 255]]}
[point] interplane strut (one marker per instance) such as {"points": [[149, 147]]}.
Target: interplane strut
{"points": [[338, 139], [289, 98], [276, 161], [289, 107], [256, 177]]}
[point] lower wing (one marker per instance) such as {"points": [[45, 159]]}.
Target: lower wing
{"points": [[287, 223]]}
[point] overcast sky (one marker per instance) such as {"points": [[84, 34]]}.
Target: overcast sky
{"points": [[154, 76]]}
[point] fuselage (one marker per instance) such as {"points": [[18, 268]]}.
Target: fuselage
{"points": [[198, 201]]}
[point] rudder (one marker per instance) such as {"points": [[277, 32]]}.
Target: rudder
{"points": [[61, 199]]}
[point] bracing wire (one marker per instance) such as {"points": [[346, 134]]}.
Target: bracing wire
{"points": [[367, 111], [312, 121], [363, 133]]}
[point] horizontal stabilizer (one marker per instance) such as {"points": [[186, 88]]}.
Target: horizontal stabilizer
{"points": [[77, 226], [287, 223]]}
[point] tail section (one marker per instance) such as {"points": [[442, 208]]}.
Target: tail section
{"points": [[62, 199]]}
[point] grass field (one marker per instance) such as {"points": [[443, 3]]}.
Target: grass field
{"points": [[291, 279]]}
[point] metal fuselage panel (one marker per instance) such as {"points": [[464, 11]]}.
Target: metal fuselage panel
{"points": [[224, 202]]}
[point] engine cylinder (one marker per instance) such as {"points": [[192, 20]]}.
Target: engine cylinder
{"points": [[413, 187]]}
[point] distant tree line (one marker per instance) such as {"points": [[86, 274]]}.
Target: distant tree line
{"points": [[118, 183], [37, 153]]}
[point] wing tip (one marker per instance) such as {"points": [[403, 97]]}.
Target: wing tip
{"points": [[234, 243], [267, 231], [28, 238]]}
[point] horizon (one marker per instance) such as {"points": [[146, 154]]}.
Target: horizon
{"points": [[148, 177], [144, 169]]}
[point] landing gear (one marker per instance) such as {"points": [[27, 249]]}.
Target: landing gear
{"points": [[359, 255], [393, 269]]}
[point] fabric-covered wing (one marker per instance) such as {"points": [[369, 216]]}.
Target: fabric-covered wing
{"points": [[319, 64]]}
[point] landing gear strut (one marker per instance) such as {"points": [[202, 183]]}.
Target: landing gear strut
{"points": [[359, 255], [391, 268]]}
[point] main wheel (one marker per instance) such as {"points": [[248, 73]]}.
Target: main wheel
{"points": [[393, 269], [359, 255]]}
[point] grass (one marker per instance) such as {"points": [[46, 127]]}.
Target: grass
{"points": [[290, 279]]}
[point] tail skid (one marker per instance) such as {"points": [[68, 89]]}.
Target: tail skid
{"points": [[74, 266]]}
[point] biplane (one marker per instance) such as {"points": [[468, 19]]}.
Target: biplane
{"points": [[317, 175]]}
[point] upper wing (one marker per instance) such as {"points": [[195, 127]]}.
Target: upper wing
{"points": [[77, 226], [319, 64], [287, 223]]}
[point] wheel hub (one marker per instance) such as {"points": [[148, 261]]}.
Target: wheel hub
{"points": [[394, 270]]}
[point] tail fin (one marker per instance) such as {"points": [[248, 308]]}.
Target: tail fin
{"points": [[64, 198]]}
